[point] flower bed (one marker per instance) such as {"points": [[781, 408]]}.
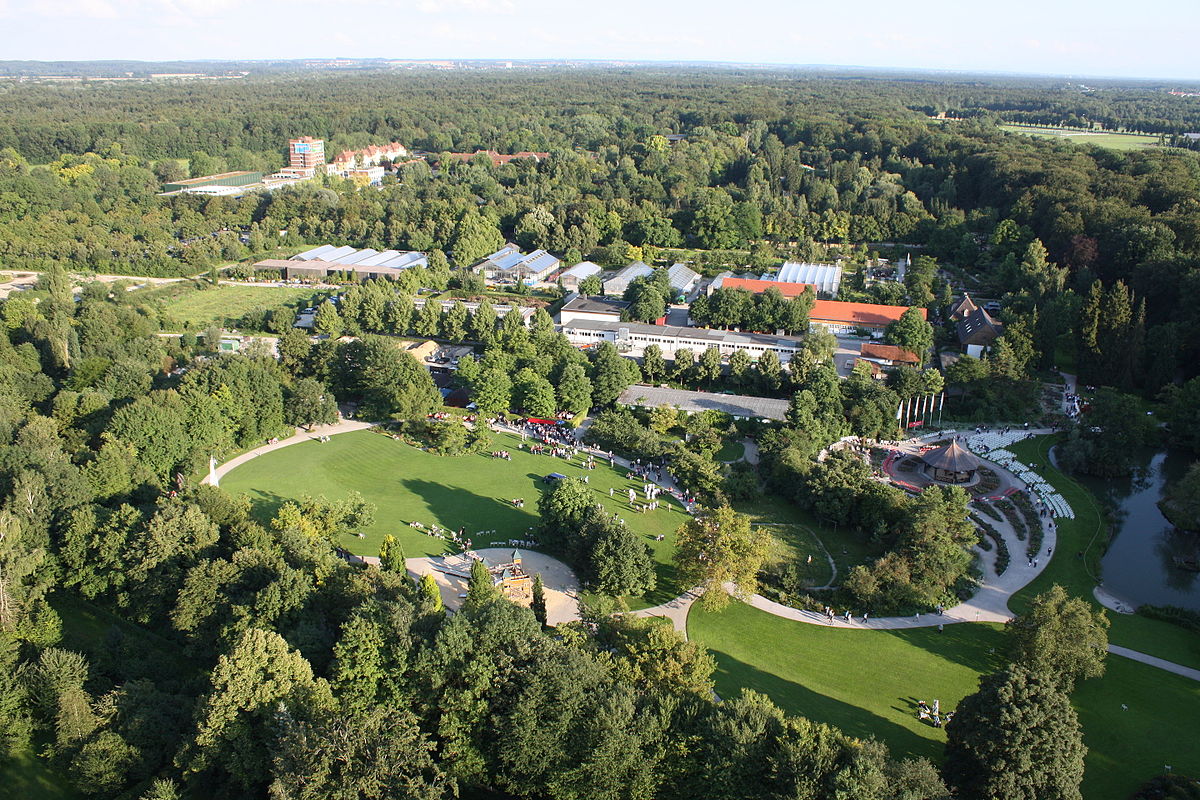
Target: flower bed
{"points": [[1014, 518], [1002, 556], [1033, 521], [988, 509]]}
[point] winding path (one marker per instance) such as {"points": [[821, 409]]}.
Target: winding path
{"points": [[989, 604], [342, 426]]}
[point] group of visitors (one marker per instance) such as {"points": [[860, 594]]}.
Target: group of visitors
{"points": [[504, 454], [849, 616], [933, 715]]}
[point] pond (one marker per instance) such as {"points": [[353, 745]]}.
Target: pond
{"points": [[1139, 566]]}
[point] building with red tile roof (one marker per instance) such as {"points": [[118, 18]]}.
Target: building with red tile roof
{"points": [[369, 156], [838, 317], [758, 287], [497, 158], [889, 354]]}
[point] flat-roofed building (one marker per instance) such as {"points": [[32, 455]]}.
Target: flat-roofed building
{"points": [[837, 317], [594, 308], [238, 180], [736, 405], [501, 309], [631, 339]]}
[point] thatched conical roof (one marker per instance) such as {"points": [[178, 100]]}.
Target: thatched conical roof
{"points": [[951, 458]]}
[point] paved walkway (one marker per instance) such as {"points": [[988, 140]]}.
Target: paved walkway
{"points": [[990, 603], [342, 426], [1154, 661]]}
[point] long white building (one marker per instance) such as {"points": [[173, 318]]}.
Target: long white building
{"points": [[632, 338]]}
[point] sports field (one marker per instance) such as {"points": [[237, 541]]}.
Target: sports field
{"points": [[224, 305], [1112, 141], [868, 683], [474, 492]]}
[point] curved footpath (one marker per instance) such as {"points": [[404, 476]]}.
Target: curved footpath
{"points": [[989, 604], [342, 426]]}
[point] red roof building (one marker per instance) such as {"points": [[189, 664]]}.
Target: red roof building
{"points": [[369, 156], [758, 287], [889, 354], [497, 158], [839, 317]]}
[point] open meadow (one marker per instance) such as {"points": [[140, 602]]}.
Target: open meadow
{"points": [[472, 492], [1107, 139], [189, 308]]}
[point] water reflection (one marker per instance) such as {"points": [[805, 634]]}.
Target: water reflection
{"points": [[1141, 563]]}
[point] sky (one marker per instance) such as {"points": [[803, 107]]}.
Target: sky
{"points": [[1060, 37]]}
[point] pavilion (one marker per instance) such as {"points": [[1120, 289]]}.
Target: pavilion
{"points": [[951, 464]]}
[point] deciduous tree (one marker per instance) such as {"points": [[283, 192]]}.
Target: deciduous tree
{"points": [[717, 546]]}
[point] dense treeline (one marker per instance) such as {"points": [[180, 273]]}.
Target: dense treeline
{"points": [[772, 165]]}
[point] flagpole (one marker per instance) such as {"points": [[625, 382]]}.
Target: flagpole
{"points": [[941, 405]]}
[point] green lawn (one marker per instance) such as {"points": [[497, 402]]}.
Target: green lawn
{"points": [[731, 450], [1085, 534], [473, 492], [867, 683], [1111, 141], [800, 534], [196, 309], [29, 778]]}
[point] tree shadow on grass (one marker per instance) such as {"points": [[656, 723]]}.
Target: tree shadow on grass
{"points": [[457, 508], [733, 675], [264, 505], [975, 646]]}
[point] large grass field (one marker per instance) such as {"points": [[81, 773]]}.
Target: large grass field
{"points": [[194, 310], [1106, 139], [868, 682], [474, 492]]}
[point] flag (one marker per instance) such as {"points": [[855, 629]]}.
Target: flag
{"points": [[943, 403], [899, 408]]}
